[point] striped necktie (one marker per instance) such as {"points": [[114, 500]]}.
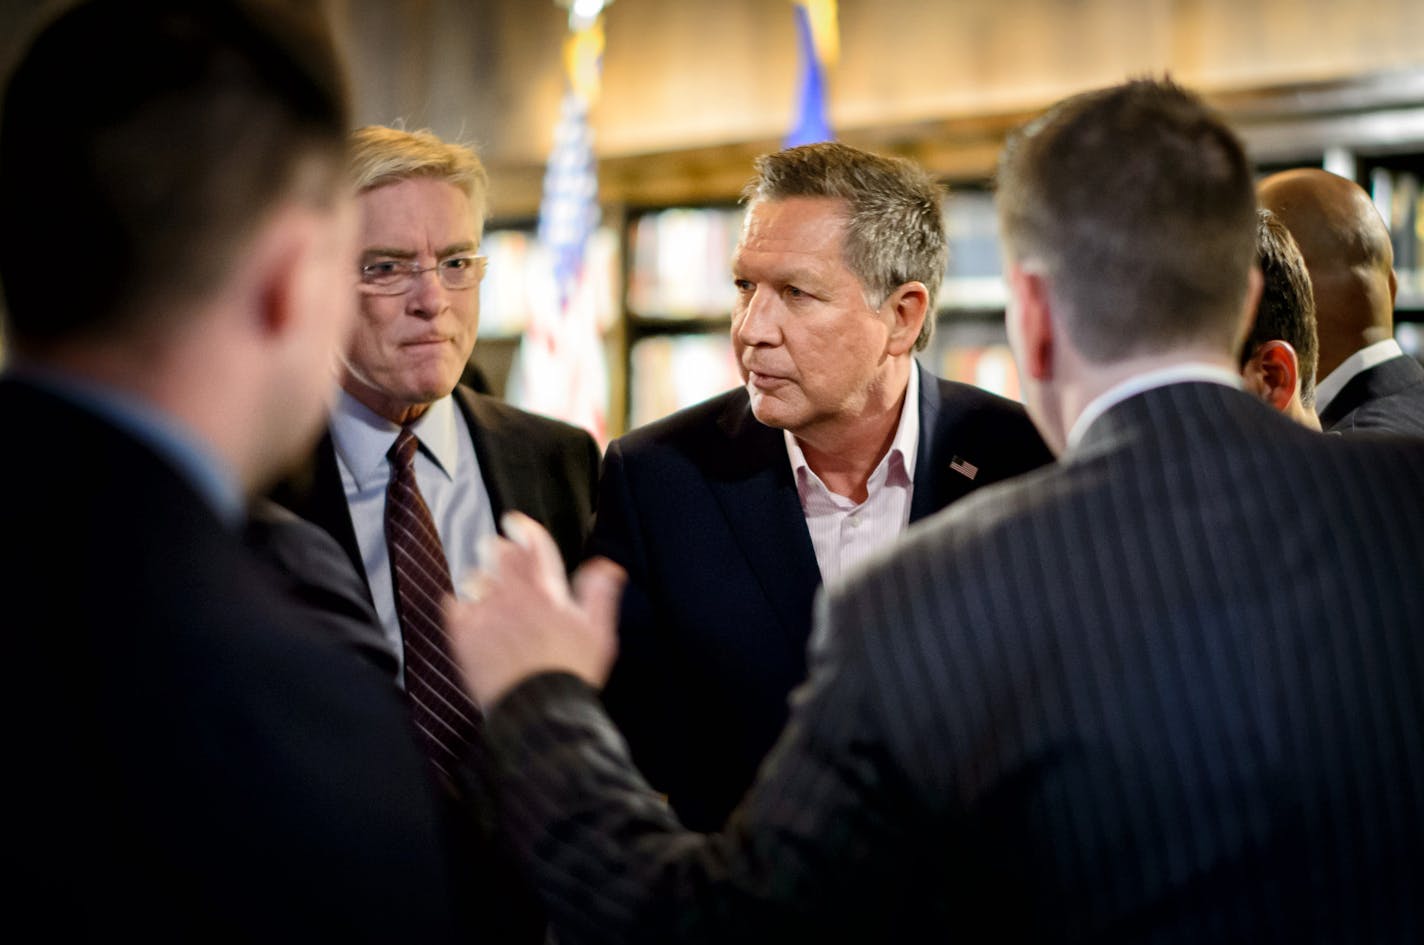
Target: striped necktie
{"points": [[447, 720]]}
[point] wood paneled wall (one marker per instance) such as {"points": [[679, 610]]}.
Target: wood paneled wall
{"points": [[706, 83]]}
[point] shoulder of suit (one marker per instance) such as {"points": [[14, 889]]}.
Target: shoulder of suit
{"points": [[967, 397], [482, 409], [726, 410]]}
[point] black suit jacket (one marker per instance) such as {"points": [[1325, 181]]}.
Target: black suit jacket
{"points": [[1387, 398], [320, 580], [702, 510], [187, 760], [531, 464], [1167, 690]]}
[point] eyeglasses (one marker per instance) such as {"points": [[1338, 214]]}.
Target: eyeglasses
{"points": [[397, 276]]}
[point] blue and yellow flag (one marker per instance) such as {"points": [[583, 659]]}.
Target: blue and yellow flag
{"points": [[819, 39]]}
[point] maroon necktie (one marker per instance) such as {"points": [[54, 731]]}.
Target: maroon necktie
{"points": [[448, 722]]}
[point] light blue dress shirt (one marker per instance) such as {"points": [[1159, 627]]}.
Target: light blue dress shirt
{"points": [[447, 472]]}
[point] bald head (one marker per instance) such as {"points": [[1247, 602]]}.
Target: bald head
{"points": [[1346, 247]]}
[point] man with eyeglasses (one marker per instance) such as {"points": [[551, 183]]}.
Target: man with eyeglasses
{"points": [[416, 469]]}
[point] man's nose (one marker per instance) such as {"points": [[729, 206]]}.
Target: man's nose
{"points": [[758, 324], [427, 295]]}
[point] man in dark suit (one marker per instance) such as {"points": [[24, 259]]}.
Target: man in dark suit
{"points": [[1164, 690], [1367, 383], [730, 514], [421, 203], [422, 208], [188, 759]]}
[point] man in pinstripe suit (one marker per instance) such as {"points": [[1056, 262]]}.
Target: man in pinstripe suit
{"points": [[1168, 689]]}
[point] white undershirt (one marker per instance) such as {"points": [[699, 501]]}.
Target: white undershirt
{"points": [[844, 532], [1149, 380]]}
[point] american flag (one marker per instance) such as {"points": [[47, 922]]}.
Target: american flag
{"points": [[562, 369]]}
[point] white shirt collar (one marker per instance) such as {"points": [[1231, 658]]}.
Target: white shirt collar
{"points": [[362, 437], [1148, 380], [907, 435], [1367, 357]]}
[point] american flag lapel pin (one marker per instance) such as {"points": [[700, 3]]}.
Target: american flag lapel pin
{"points": [[964, 467]]}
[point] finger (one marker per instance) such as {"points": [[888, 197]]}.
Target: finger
{"points": [[512, 564], [530, 535], [475, 585], [598, 588]]}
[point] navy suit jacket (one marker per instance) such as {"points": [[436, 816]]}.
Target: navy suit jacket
{"points": [[701, 508], [1168, 689], [1387, 398], [189, 760]]}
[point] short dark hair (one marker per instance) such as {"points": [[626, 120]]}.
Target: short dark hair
{"points": [[199, 118], [1287, 308], [1138, 201], [895, 228]]}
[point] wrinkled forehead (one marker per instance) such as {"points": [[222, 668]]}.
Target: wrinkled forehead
{"points": [[802, 234]]}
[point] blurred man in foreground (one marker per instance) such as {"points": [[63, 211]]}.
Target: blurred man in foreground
{"points": [[191, 761]]}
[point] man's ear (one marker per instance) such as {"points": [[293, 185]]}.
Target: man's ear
{"points": [[909, 306], [1032, 311], [280, 259], [1273, 373]]}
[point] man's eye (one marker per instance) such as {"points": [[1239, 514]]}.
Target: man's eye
{"points": [[381, 269], [743, 285], [458, 262], [794, 292]]}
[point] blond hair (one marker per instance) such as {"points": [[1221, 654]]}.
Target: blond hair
{"points": [[381, 155]]}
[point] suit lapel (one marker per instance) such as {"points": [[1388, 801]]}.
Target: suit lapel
{"points": [[500, 454], [753, 484], [1386, 378], [316, 494], [941, 474]]}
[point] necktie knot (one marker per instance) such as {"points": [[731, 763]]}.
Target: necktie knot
{"points": [[402, 451]]}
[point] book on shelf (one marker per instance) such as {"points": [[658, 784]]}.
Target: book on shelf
{"points": [[669, 372]]}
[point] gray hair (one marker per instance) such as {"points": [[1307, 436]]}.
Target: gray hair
{"points": [[895, 225]]}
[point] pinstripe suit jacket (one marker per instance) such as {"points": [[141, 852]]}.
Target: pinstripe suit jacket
{"points": [[1169, 689]]}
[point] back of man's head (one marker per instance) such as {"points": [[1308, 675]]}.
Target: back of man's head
{"points": [[1346, 247], [197, 119], [1136, 202], [1286, 311], [895, 226]]}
